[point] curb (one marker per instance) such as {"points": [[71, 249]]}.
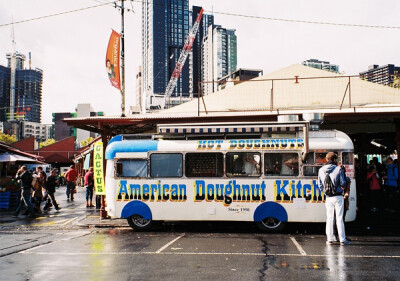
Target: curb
{"points": [[98, 223]]}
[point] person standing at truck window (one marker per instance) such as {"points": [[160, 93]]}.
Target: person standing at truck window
{"points": [[334, 203]]}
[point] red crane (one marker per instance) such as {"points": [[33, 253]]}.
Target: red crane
{"points": [[182, 58]]}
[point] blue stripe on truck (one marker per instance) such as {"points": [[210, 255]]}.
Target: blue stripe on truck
{"points": [[130, 146]]}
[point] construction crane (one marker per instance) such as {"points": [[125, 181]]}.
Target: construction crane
{"points": [[182, 58]]}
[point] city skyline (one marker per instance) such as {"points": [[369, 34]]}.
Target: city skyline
{"points": [[70, 48]]}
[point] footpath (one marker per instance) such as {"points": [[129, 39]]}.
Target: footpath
{"points": [[89, 219]]}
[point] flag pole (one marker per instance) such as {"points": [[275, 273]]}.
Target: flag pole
{"points": [[122, 60]]}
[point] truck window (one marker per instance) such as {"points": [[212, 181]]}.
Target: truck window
{"points": [[347, 158], [281, 164], [245, 164], [131, 168], [204, 164], [166, 165]]}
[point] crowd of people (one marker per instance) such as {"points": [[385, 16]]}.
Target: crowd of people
{"points": [[381, 186], [37, 188]]}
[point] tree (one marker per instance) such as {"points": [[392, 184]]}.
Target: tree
{"points": [[86, 141], [396, 80], [7, 138], [47, 142]]}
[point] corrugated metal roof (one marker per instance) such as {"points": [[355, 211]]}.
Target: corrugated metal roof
{"points": [[370, 108], [316, 89], [251, 100], [7, 148]]}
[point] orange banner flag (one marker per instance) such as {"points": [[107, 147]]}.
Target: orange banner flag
{"points": [[112, 59]]}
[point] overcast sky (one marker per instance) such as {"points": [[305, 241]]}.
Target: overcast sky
{"points": [[70, 48]]}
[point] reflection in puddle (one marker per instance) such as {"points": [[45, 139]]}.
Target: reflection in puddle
{"points": [[336, 263]]}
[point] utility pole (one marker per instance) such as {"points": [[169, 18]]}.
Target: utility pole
{"points": [[122, 60]]}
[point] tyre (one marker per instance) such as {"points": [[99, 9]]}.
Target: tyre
{"points": [[138, 223], [271, 224]]}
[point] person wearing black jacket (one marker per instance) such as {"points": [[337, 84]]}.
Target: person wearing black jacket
{"points": [[26, 187], [52, 182]]}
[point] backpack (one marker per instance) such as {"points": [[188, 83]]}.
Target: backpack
{"points": [[34, 182], [329, 187]]}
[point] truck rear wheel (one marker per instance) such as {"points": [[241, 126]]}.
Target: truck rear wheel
{"points": [[139, 223], [271, 224]]}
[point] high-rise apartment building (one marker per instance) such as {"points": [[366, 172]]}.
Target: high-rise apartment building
{"points": [[20, 90], [219, 56], [380, 74], [196, 57], [165, 26], [324, 65], [41, 132]]}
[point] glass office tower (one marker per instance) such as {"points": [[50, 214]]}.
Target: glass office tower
{"points": [[165, 27], [197, 48], [219, 56]]}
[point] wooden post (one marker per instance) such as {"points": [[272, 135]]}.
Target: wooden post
{"points": [[103, 212]]}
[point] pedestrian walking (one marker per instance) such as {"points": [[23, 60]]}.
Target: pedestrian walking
{"points": [[40, 187], [89, 184], [71, 176], [52, 182], [61, 179], [25, 177], [334, 203], [391, 177]]}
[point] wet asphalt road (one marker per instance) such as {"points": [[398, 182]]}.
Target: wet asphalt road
{"points": [[122, 254], [54, 247]]}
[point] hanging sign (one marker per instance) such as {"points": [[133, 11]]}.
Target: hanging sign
{"points": [[98, 168], [112, 59]]}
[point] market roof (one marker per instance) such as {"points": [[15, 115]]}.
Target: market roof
{"points": [[295, 89], [20, 155], [11, 157]]}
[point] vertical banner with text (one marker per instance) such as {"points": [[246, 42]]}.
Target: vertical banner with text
{"points": [[98, 168], [112, 59]]}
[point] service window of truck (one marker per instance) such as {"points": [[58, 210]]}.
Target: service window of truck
{"points": [[281, 164], [204, 164], [265, 172], [243, 164]]}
